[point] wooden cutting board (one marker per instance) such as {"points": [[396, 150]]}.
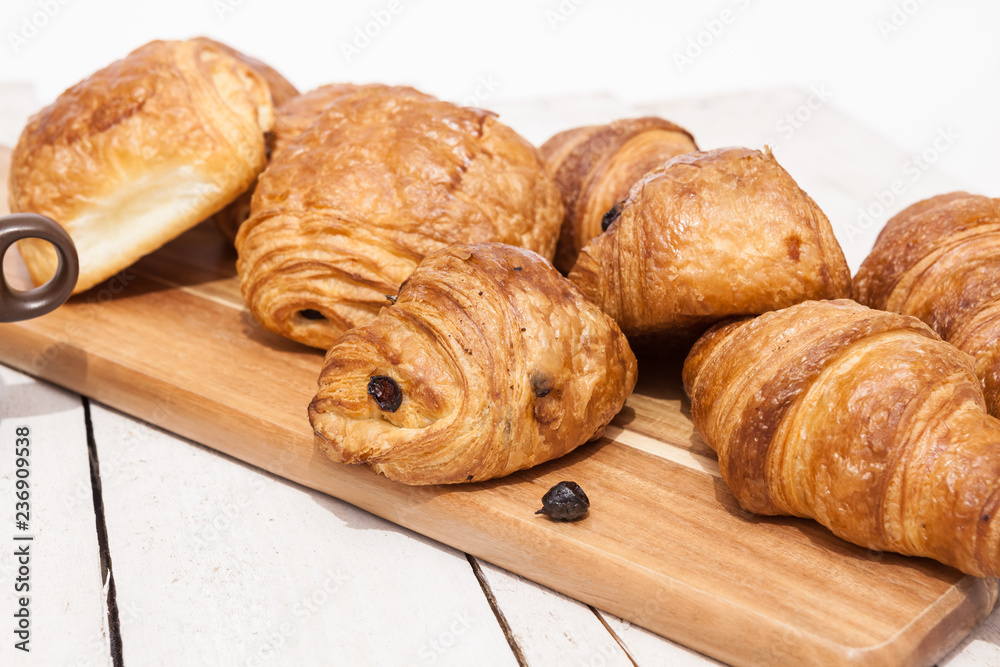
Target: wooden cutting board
{"points": [[665, 545]]}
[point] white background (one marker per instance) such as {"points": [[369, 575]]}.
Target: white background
{"points": [[905, 68]]}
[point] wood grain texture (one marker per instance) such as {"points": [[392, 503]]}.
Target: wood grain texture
{"points": [[249, 569], [665, 546], [68, 609]]}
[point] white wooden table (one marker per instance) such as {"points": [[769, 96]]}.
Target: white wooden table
{"points": [[150, 549]]}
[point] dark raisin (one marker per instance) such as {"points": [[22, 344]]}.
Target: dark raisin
{"points": [[565, 501], [609, 218], [311, 314], [517, 268], [392, 298], [386, 392], [540, 384]]}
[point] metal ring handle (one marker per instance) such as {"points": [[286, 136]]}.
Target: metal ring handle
{"points": [[17, 304]]}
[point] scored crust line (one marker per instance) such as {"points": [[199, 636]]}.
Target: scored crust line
{"points": [[662, 450]]}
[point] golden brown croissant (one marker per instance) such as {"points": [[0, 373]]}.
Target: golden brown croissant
{"points": [[595, 166], [346, 211], [706, 236], [939, 260], [488, 362], [861, 419], [139, 152]]}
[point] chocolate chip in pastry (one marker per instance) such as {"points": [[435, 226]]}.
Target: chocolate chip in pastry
{"points": [[489, 362], [383, 177], [706, 236], [138, 153], [594, 167], [939, 260], [861, 419]]}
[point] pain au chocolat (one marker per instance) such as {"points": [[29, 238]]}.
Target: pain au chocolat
{"points": [[383, 177], [488, 362], [139, 152], [290, 119], [596, 166], [706, 236]]}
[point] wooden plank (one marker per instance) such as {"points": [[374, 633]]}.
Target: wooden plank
{"points": [[222, 564], [68, 614], [665, 546], [649, 649], [552, 629]]}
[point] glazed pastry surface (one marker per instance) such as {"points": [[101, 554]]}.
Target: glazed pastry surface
{"points": [[939, 260], [861, 419], [498, 362], [290, 119], [706, 236], [139, 152], [382, 178], [594, 167]]}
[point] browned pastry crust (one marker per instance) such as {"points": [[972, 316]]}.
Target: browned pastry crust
{"points": [[281, 88], [939, 260], [290, 120], [383, 177], [706, 236], [139, 152], [293, 116], [232, 216], [594, 167], [500, 362], [861, 419]]}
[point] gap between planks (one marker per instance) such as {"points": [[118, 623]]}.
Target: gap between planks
{"points": [[501, 619], [107, 572]]}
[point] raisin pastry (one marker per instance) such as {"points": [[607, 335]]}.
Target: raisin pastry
{"points": [[138, 153], [382, 178], [706, 236], [488, 362], [595, 166]]}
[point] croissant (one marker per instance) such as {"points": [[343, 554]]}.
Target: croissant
{"points": [[938, 260], [139, 152], [595, 166], [488, 362], [706, 236], [383, 177], [861, 419]]}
